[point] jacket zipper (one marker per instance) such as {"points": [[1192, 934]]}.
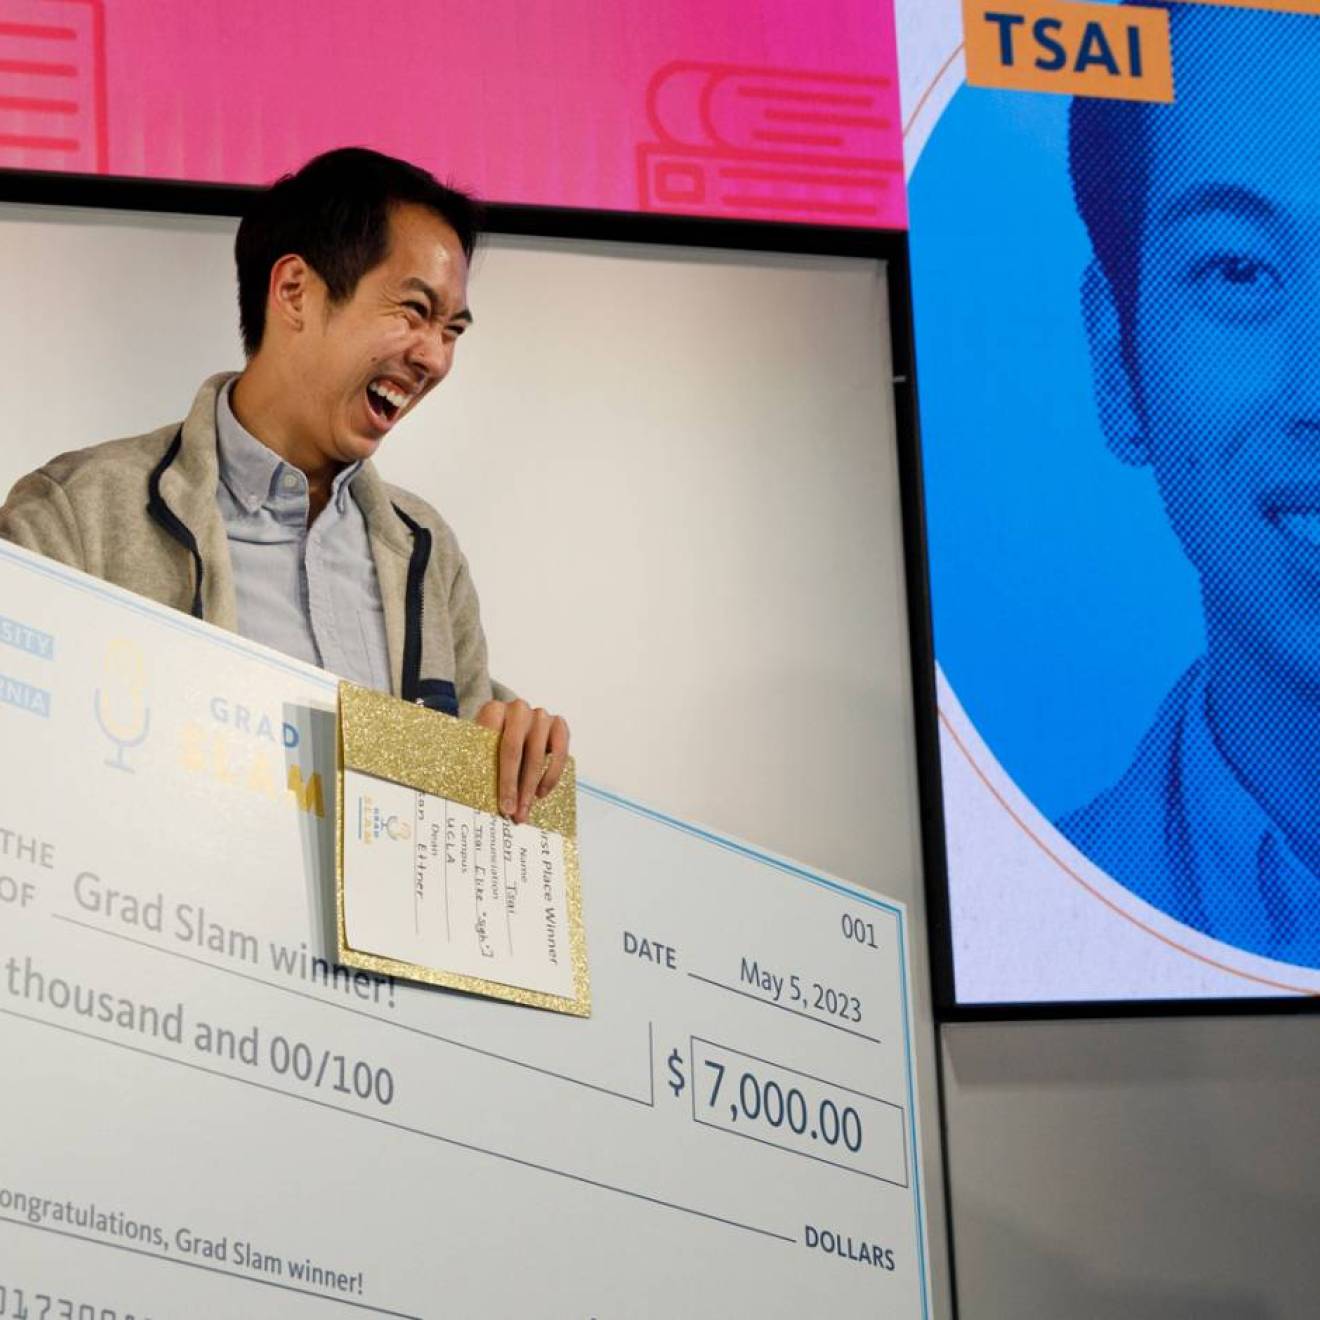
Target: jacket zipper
{"points": [[414, 609], [169, 520]]}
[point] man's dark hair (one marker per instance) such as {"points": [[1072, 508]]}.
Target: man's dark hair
{"points": [[1109, 159], [335, 214]]}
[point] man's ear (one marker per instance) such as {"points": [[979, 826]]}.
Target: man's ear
{"points": [[288, 291], [1115, 390]]}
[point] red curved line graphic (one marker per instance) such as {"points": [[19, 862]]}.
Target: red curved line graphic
{"points": [[934, 82], [653, 87], [713, 79]]}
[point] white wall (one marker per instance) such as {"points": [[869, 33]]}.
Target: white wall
{"points": [[674, 475]]}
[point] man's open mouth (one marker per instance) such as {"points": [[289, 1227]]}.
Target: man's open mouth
{"points": [[385, 399]]}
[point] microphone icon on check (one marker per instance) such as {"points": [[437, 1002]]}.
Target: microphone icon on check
{"points": [[120, 703]]}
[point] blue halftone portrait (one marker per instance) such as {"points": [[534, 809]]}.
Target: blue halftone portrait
{"points": [[1125, 505]]}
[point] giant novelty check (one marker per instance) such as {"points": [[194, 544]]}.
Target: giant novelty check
{"points": [[204, 1116]]}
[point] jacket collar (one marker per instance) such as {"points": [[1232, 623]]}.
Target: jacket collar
{"points": [[189, 484], [187, 487], [383, 522], [252, 472]]}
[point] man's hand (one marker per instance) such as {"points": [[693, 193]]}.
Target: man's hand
{"points": [[533, 749]]}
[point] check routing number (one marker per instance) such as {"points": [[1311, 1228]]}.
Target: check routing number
{"points": [[205, 1116]]}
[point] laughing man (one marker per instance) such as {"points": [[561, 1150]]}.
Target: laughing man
{"points": [[263, 512]]}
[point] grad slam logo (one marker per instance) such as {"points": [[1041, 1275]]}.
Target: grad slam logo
{"points": [[373, 824], [120, 703]]}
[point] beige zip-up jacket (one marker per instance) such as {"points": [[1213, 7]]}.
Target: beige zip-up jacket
{"points": [[142, 513]]}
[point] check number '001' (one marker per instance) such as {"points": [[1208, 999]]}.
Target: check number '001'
{"points": [[807, 1115]]}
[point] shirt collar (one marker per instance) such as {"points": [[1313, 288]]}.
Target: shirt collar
{"points": [[252, 472], [1253, 888]]}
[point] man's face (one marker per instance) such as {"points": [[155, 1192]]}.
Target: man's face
{"points": [[369, 360], [1227, 328]]}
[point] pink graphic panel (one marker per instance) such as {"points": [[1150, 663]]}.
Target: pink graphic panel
{"points": [[762, 108], [780, 143], [52, 81]]}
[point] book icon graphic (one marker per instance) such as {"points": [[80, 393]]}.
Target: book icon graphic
{"points": [[52, 86], [781, 144]]}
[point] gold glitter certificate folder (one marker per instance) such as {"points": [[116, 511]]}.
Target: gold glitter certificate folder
{"points": [[432, 884]]}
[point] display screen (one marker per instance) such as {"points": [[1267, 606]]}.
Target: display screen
{"points": [[767, 109], [1115, 282]]}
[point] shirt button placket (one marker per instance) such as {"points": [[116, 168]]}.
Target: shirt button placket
{"points": [[318, 606]]}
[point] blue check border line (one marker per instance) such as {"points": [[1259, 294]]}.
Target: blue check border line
{"points": [[183, 623], [849, 892]]}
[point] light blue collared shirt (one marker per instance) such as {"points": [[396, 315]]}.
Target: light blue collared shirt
{"points": [[309, 592]]}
